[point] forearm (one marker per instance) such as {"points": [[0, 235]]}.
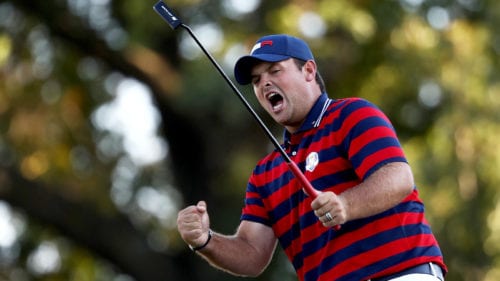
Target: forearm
{"points": [[236, 255], [383, 190], [246, 253]]}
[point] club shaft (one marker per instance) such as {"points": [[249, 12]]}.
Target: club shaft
{"points": [[240, 95], [292, 166], [174, 22]]}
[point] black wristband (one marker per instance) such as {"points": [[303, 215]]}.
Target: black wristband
{"points": [[194, 249]]}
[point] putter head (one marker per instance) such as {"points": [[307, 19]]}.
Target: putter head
{"points": [[165, 12]]}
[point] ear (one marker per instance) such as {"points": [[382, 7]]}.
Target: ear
{"points": [[309, 70]]}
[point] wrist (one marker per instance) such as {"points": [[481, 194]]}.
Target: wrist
{"points": [[197, 248]]}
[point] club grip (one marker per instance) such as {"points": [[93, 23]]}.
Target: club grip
{"points": [[164, 11], [309, 189]]}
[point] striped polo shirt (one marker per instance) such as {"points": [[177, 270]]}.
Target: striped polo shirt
{"points": [[341, 143]]}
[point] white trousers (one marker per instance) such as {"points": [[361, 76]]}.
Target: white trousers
{"points": [[416, 277]]}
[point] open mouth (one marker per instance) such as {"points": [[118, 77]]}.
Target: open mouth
{"points": [[276, 100]]}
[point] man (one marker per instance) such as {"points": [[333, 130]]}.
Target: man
{"points": [[348, 150]]}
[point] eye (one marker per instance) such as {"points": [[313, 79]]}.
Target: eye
{"points": [[255, 80]]}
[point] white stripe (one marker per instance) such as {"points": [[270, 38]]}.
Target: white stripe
{"points": [[325, 107], [255, 47]]}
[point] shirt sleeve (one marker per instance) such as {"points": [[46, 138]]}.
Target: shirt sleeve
{"points": [[254, 209], [369, 138]]}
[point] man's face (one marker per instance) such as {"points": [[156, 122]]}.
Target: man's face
{"points": [[285, 91]]}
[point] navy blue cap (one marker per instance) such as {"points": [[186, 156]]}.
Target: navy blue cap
{"points": [[271, 48]]}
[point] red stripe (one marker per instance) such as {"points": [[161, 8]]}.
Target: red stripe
{"points": [[369, 136], [266, 42], [357, 116], [383, 252], [364, 232], [272, 174], [377, 158]]}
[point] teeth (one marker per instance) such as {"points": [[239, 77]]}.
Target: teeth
{"points": [[271, 95]]}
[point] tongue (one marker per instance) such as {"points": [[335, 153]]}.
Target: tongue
{"points": [[277, 105]]}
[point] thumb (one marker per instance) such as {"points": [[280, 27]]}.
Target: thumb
{"points": [[202, 210], [201, 206]]}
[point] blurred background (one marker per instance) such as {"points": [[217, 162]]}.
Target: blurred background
{"points": [[110, 122]]}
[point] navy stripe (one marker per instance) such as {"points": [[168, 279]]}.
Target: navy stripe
{"points": [[252, 218], [312, 247], [410, 206], [367, 123], [306, 221], [268, 166], [380, 164], [431, 251], [334, 179], [375, 145], [288, 237], [254, 201], [252, 188], [287, 206], [276, 184], [293, 233], [364, 245], [269, 188], [336, 124], [355, 105], [332, 152]]}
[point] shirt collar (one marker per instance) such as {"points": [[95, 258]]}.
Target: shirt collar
{"points": [[314, 116]]}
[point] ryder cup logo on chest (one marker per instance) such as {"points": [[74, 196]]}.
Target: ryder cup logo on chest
{"points": [[312, 161]]}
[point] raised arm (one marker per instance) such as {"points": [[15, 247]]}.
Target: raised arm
{"points": [[246, 253]]}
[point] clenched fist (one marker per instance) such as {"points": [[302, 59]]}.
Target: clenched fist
{"points": [[193, 224]]}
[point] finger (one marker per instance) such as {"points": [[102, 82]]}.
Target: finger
{"points": [[319, 202], [190, 216], [193, 221], [186, 211], [329, 222], [190, 221], [326, 218], [323, 200], [321, 212], [192, 236]]}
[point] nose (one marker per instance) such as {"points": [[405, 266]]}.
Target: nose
{"points": [[264, 80], [264, 85]]}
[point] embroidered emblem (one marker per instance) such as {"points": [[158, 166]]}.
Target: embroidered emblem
{"points": [[312, 161], [261, 44]]}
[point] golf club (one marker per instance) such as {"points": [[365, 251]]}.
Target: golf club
{"points": [[174, 22]]}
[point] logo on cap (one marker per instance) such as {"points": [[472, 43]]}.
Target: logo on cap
{"points": [[261, 44]]}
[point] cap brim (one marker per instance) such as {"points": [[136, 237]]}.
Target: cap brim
{"points": [[243, 67]]}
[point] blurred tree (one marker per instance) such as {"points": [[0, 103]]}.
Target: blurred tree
{"points": [[111, 122]]}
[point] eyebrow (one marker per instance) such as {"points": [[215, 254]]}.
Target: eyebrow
{"points": [[271, 64]]}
